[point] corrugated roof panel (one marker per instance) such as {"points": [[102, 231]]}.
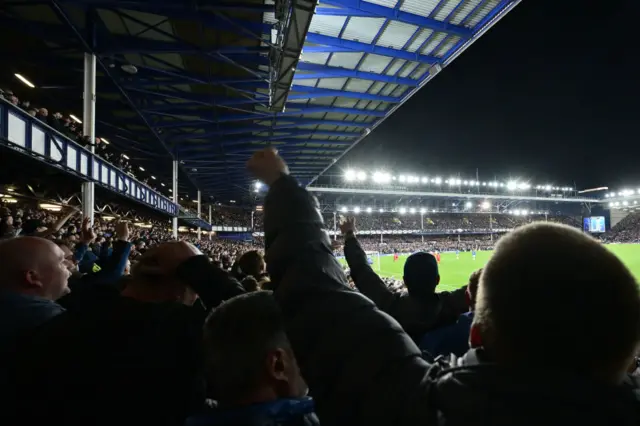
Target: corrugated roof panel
{"points": [[346, 59], [463, 11], [332, 83], [396, 34], [482, 12], [388, 89], [345, 102], [393, 69], [400, 90], [321, 101], [328, 127], [383, 106], [297, 101], [336, 116], [446, 46], [315, 115], [368, 119], [327, 25], [373, 105], [385, 3], [446, 9], [420, 72], [319, 58], [362, 29], [408, 69], [376, 87], [419, 39], [306, 82], [358, 85], [375, 63], [433, 43], [419, 7], [362, 104]]}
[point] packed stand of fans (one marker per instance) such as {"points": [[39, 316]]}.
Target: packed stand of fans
{"points": [[187, 340], [625, 231]]}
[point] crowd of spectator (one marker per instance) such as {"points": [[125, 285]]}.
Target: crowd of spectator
{"points": [[625, 231], [187, 335]]}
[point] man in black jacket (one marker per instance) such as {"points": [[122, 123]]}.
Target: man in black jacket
{"points": [[363, 369], [130, 358], [418, 311]]}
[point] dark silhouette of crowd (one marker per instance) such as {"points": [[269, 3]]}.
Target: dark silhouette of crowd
{"points": [[197, 332], [625, 231]]}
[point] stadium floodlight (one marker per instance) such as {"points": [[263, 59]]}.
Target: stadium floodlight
{"points": [[516, 212], [635, 202], [617, 203], [606, 195], [343, 209], [610, 204], [356, 210], [153, 177], [381, 210], [484, 183], [466, 182], [381, 177], [369, 210], [451, 182], [438, 180], [258, 185], [402, 210], [524, 212], [425, 180], [162, 184], [74, 118], [501, 185], [104, 141], [423, 211], [350, 175], [468, 204], [141, 168], [362, 176], [412, 210], [620, 194], [402, 178], [25, 81], [512, 185], [458, 182], [625, 203], [485, 205]]}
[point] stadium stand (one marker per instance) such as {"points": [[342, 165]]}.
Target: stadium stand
{"points": [[141, 311]]}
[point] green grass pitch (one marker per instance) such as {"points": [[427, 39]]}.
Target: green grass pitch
{"points": [[454, 272]]}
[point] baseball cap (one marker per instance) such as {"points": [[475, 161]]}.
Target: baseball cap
{"points": [[421, 273]]}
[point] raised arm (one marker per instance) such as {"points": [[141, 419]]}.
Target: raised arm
{"points": [[361, 367]]}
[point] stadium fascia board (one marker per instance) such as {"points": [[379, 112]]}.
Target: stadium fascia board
{"points": [[500, 11], [363, 191], [325, 71], [367, 9]]}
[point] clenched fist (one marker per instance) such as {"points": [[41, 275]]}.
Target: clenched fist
{"points": [[267, 165]]}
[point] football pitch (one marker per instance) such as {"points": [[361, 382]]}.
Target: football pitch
{"points": [[455, 273]]}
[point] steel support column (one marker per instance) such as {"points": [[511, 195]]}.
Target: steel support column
{"points": [[210, 232], [175, 198], [89, 128], [199, 213]]}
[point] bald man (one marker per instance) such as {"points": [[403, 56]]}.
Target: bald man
{"points": [[33, 275]]}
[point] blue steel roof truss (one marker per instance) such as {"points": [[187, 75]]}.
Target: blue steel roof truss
{"points": [[207, 89]]}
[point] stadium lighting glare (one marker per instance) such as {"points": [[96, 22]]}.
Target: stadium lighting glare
{"points": [[402, 210], [381, 210], [635, 202], [451, 182], [412, 210], [516, 212], [423, 211], [369, 210], [350, 175], [425, 180], [617, 203], [610, 204], [258, 186], [625, 203], [466, 182], [381, 177], [162, 184], [125, 156], [356, 210], [25, 81], [362, 176], [458, 182], [104, 141], [468, 204], [512, 185], [343, 209], [501, 185], [524, 212], [438, 181], [485, 205], [74, 118], [402, 178]]}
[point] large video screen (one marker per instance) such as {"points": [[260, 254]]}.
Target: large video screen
{"points": [[596, 224]]}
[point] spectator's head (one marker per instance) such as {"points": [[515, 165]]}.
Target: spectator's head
{"points": [[14, 100], [555, 298], [32, 112], [472, 288], [250, 264], [248, 356], [33, 266], [43, 112], [31, 227], [250, 284], [421, 274], [154, 278]]}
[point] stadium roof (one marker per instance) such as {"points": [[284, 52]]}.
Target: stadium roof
{"points": [[213, 80]]}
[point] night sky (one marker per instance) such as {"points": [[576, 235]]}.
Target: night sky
{"points": [[550, 93]]}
